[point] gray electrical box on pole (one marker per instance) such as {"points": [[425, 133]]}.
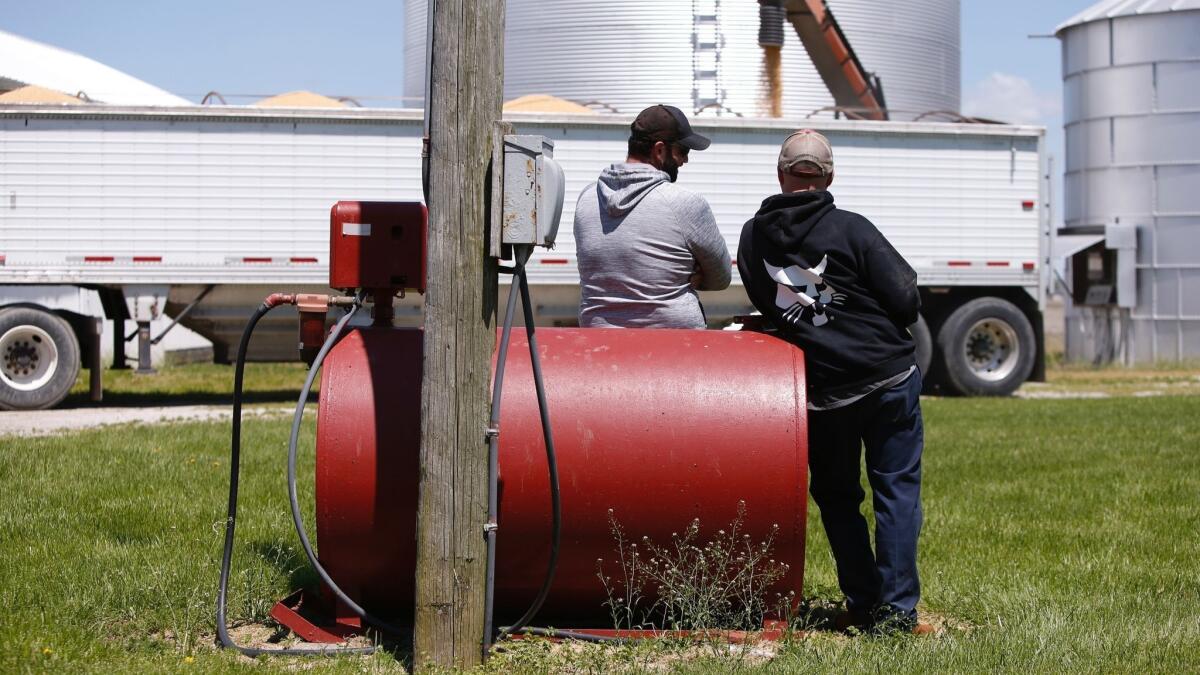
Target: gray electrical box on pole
{"points": [[532, 190]]}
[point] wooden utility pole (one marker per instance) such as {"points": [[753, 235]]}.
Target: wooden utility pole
{"points": [[460, 307]]}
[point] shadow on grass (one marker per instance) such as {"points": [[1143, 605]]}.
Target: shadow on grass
{"points": [[145, 399]]}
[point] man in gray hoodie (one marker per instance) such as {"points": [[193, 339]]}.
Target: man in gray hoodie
{"points": [[644, 244]]}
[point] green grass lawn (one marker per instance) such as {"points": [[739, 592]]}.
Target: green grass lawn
{"points": [[194, 384], [1059, 535]]}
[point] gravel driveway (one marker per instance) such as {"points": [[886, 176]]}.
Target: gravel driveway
{"points": [[49, 422]]}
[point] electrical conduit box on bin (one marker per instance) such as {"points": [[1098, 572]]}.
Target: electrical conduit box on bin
{"points": [[532, 193]]}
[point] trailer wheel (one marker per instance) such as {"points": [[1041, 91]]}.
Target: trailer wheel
{"points": [[39, 359], [987, 348], [924, 341]]}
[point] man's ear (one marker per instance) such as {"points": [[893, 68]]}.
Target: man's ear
{"points": [[659, 153], [829, 180], [779, 175]]}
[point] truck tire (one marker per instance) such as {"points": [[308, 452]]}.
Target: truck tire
{"points": [[924, 340], [39, 359], [987, 348]]}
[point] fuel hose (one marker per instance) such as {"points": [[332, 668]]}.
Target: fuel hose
{"points": [[234, 474], [520, 626]]}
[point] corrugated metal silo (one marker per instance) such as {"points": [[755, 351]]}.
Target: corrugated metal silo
{"points": [[628, 54], [1131, 84], [913, 46], [415, 25]]}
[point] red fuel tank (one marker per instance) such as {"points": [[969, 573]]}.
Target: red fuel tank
{"points": [[660, 426]]}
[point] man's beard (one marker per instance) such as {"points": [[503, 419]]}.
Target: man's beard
{"points": [[670, 167]]}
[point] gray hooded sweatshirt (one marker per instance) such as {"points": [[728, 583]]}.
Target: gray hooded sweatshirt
{"points": [[638, 239]]}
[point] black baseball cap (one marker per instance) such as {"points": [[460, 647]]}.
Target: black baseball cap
{"points": [[668, 124]]}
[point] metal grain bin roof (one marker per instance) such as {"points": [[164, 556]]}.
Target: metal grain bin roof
{"points": [[1109, 9]]}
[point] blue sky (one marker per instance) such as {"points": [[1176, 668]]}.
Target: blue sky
{"points": [[262, 47], [355, 48]]}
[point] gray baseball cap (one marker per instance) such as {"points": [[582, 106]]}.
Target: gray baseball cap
{"points": [[806, 153]]}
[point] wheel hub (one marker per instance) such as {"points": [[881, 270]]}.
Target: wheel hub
{"points": [[28, 358], [992, 349], [21, 357]]}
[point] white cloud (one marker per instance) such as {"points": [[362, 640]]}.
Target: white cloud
{"points": [[1011, 98]]}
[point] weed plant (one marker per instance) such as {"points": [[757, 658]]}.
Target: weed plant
{"points": [[692, 583]]}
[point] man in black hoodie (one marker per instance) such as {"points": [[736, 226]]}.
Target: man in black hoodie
{"points": [[829, 282]]}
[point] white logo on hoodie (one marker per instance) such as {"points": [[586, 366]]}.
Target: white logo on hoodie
{"points": [[802, 293]]}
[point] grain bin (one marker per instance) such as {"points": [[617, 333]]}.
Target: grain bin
{"points": [[1131, 87], [628, 54]]}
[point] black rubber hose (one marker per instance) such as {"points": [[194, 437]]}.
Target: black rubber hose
{"points": [[521, 286], [555, 502], [551, 460], [427, 121], [297, 519], [489, 591], [235, 452], [771, 16]]}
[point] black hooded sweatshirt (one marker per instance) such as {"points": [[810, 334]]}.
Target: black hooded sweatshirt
{"points": [[833, 285]]}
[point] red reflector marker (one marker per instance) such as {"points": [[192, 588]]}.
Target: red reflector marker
{"points": [[959, 263], [1028, 267], [554, 261], [302, 260], [997, 263], [256, 260], [147, 258], [97, 258], [1027, 205], [3, 259]]}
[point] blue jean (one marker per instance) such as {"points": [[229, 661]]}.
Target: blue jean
{"points": [[888, 423]]}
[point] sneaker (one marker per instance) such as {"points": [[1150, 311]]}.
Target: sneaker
{"points": [[847, 619], [890, 622], [923, 629]]}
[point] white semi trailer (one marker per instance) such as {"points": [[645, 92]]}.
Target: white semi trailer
{"points": [[131, 214]]}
